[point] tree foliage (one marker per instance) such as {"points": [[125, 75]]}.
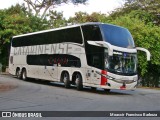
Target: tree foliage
{"points": [[44, 5], [149, 6], [15, 21], [56, 19], [81, 17]]}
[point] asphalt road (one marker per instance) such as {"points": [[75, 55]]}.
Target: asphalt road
{"points": [[18, 95]]}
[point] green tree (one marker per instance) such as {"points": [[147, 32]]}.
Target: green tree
{"points": [[79, 17], [42, 6], [56, 19], [14, 21], [82, 17], [149, 6]]}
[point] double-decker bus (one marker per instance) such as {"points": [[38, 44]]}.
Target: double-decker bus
{"points": [[94, 54]]}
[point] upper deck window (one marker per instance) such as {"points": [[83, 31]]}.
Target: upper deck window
{"points": [[117, 36], [51, 37], [92, 32]]}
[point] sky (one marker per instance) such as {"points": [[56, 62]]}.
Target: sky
{"points": [[103, 6]]}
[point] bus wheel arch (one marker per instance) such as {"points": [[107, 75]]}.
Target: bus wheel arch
{"points": [[65, 78], [77, 80]]}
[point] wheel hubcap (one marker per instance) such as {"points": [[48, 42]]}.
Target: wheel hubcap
{"points": [[77, 79], [24, 76], [65, 77], [18, 73]]}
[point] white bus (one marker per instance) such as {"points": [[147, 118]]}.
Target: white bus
{"points": [[97, 55]]}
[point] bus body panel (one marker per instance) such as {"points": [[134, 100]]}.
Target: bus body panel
{"points": [[47, 54]]}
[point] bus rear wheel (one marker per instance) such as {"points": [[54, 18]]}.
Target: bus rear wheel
{"points": [[78, 80], [18, 74], [65, 78], [24, 74]]}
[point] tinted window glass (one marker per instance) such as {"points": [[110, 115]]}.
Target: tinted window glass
{"points": [[92, 32], [72, 35], [95, 56], [59, 36], [49, 60], [117, 36]]}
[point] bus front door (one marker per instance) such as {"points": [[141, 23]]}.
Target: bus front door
{"points": [[92, 77]]}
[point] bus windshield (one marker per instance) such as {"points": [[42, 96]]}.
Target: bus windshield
{"points": [[117, 36], [121, 63]]}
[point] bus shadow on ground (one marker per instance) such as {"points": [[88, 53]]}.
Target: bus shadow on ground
{"points": [[85, 89]]}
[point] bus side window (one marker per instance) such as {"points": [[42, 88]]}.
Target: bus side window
{"points": [[72, 35], [92, 33]]}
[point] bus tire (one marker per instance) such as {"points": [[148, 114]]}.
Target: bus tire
{"points": [[18, 73], [24, 74], [78, 80], [65, 79]]}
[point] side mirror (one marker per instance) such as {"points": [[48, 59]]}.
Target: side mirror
{"points": [[147, 52], [102, 44]]}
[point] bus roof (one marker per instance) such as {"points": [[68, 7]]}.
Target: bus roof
{"points": [[49, 30]]}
